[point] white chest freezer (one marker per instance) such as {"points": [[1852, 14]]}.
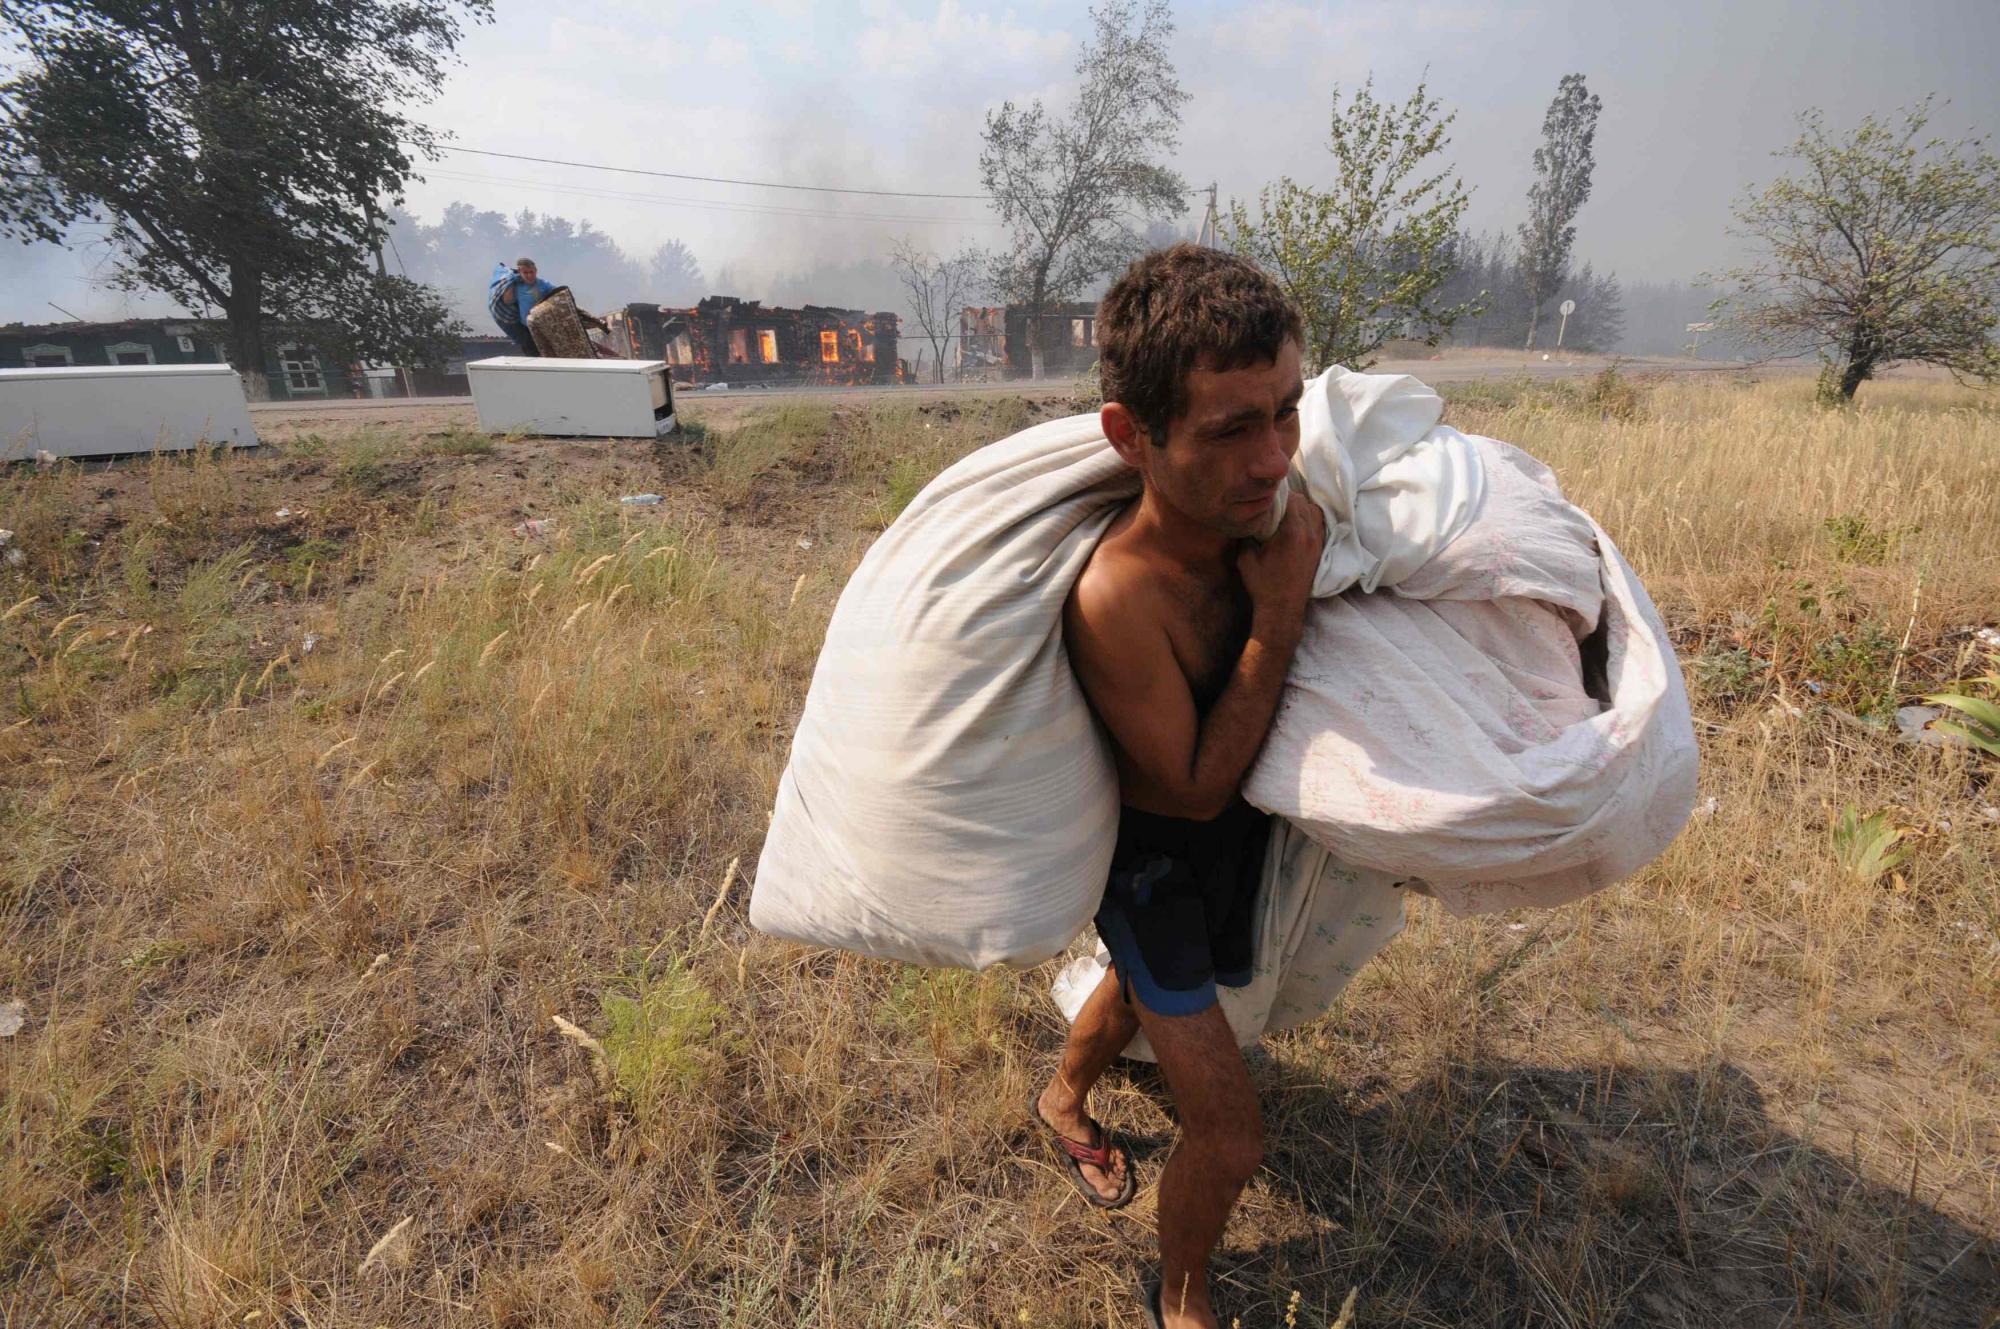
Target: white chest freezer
{"points": [[587, 398], [100, 410]]}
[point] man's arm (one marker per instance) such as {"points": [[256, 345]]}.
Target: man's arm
{"points": [[1171, 761]]}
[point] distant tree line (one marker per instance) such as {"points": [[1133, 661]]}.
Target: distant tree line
{"points": [[1490, 276]]}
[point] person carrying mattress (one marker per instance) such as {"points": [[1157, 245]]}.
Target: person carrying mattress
{"points": [[1181, 629], [510, 294]]}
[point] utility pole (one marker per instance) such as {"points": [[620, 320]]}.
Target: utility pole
{"points": [[1209, 220], [382, 270]]}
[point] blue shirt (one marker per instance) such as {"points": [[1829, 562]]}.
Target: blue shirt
{"points": [[526, 295]]}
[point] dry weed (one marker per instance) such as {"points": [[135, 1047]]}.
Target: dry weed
{"points": [[304, 856]]}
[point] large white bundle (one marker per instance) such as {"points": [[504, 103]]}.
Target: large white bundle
{"points": [[1447, 733], [950, 801]]}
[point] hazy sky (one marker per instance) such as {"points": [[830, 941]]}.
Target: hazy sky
{"points": [[880, 95]]}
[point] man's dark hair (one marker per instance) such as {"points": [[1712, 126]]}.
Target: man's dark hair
{"points": [[1179, 309]]}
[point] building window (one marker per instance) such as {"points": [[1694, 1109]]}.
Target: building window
{"points": [[829, 346], [301, 370], [739, 346], [46, 357], [854, 343], [1080, 332], [767, 346], [129, 353], [679, 351]]}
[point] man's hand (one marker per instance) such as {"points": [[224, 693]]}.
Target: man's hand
{"points": [[1278, 574]]}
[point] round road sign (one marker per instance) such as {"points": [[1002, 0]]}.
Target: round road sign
{"points": [[1568, 307]]}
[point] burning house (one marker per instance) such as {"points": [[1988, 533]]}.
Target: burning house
{"points": [[993, 340], [740, 342]]}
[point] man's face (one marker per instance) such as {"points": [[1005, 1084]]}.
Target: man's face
{"points": [[527, 271], [1226, 458]]}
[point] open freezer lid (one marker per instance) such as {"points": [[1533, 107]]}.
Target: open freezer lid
{"points": [[114, 371], [567, 366]]}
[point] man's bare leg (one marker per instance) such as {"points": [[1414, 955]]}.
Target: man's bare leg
{"points": [[1221, 1146], [1101, 1030]]}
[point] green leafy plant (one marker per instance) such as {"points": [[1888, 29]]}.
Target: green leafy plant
{"points": [[459, 443], [906, 479], [1856, 539], [1866, 846], [1981, 725], [660, 1040]]}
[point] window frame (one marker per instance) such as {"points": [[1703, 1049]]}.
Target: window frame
{"points": [[294, 366]]}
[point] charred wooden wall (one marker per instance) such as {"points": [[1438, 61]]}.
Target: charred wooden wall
{"points": [[727, 340], [993, 339]]}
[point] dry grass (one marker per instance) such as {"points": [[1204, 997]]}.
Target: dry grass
{"points": [[402, 980]]}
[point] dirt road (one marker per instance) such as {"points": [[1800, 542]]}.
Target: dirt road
{"points": [[282, 420]]}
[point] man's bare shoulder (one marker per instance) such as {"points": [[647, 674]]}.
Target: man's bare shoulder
{"points": [[1118, 594]]}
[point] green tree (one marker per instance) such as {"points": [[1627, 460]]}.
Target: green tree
{"points": [[1884, 248], [1073, 187], [1370, 257], [384, 319], [1563, 165], [243, 151]]}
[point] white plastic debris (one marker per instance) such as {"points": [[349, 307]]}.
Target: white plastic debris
{"points": [[1708, 807], [805, 543], [16, 557], [5, 536], [716, 387], [1991, 814], [1988, 637], [13, 1014], [1914, 724], [44, 458], [640, 500], [306, 646]]}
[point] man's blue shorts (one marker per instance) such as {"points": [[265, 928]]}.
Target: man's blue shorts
{"points": [[1179, 913]]}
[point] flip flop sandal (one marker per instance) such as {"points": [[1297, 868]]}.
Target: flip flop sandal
{"points": [[1099, 1156]]}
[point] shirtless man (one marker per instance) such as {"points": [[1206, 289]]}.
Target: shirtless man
{"points": [[1181, 629]]}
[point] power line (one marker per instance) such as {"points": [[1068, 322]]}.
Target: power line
{"points": [[710, 179], [712, 205]]}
